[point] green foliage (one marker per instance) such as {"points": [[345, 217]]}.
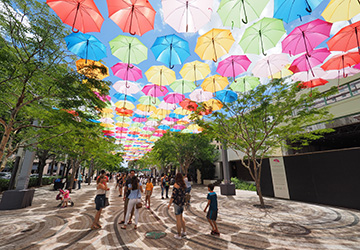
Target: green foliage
{"points": [[207, 169], [4, 183], [242, 184]]}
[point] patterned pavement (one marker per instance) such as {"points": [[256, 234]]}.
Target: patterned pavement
{"points": [[287, 225]]}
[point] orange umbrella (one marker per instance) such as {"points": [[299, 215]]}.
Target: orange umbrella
{"points": [[342, 61]]}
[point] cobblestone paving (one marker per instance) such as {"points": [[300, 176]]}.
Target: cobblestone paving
{"points": [[288, 225]]}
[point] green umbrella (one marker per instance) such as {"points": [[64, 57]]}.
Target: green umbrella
{"points": [[245, 83], [235, 12], [128, 49], [183, 86], [148, 100], [123, 119], [137, 125], [262, 35]]}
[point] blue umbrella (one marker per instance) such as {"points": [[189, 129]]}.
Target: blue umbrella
{"points": [[176, 116], [164, 127], [140, 116], [125, 97], [226, 95], [289, 10], [175, 130], [85, 46], [170, 50]]}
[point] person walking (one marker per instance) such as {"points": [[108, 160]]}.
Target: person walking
{"points": [[178, 198], [148, 192], [187, 191], [80, 179], [101, 189], [126, 197], [213, 210], [134, 198], [162, 184], [167, 186]]}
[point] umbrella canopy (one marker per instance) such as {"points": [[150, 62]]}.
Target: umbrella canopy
{"points": [[306, 37], [307, 62], [282, 73], [335, 74], [92, 69], [188, 104], [123, 97], [341, 10], [262, 35], [174, 98], [289, 10], [165, 105], [128, 49], [233, 66], [148, 100], [183, 86], [309, 75], [313, 83], [154, 90], [82, 15], [199, 95], [245, 83], [85, 46], [170, 50], [214, 44], [160, 75], [213, 104], [124, 105], [132, 16], [195, 70], [226, 95], [270, 65], [214, 83], [342, 61], [127, 71], [162, 112], [126, 87], [238, 12], [185, 15], [350, 34]]}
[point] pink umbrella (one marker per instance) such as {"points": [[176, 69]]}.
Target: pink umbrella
{"points": [[270, 65], [308, 75], [167, 106], [121, 129], [158, 134], [149, 128], [233, 65], [139, 119], [199, 95], [127, 71], [154, 90], [306, 37], [151, 123], [308, 61], [126, 87], [179, 127], [104, 98], [171, 119], [336, 74], [174, 98]]}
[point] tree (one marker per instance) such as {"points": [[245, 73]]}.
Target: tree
{"points": [[260, 120], [183, 149]]}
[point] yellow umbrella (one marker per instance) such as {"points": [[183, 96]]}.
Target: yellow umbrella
{"points": [[92, 69], [106, 115], [162, 112], [194, 127], [182, 122], [106, 110], [135, 129], [122, 124], [146, 108], [160, 75], [125, 105], [195, 70], [158, 117], [181, 111], [214, 44], [214, 83], [282, 73], [106, 125], [341, 10], [213, 104]]}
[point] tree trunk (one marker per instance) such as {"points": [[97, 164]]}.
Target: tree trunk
{"points": [[4, 141], [91, 171], [75, 167], [257, 183], [43, 156]]}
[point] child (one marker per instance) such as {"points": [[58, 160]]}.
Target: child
{"points": [[213, 210], [66, 197], [99, 200], [148, 192]]}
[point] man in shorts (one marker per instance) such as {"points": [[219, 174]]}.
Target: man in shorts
{"points": [[213, 210]]}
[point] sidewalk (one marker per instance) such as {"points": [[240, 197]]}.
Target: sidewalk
{"points": [[288, 225]]}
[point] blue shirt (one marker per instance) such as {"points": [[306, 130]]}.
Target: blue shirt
{"points": [[213, 201], [135, 194]]}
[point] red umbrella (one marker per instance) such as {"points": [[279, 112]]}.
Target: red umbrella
{"points": [[342, 61], [307, 62], [124, 112], [188, 105], [313, 83], [82, 15], [132, 16], [346, 39]]}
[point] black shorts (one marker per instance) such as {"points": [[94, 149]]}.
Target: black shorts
{"points": [[212, 215], [100, 201]]}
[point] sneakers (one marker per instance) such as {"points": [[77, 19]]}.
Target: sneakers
{"points": [[183, 234], [176, 236], [215, 233], [162, 197]]}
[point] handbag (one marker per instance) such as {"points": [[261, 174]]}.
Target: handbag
{"points": [[106, 201], [139, 204]]}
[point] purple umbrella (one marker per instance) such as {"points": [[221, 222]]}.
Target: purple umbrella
{"points": [[233, 65], [174, 98], [308, 61], [127, 71]]}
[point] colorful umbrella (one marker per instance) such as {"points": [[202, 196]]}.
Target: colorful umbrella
{"points": [[162, 112], [213, 104], [341, 10], [165, 105], [127, 71], [128, 49], [170, 50], [308, 75], [132, 16], [214, 44], [123, 97], [183, 86], [308, 61], [148, 100], [306, 37], [188, 104], [92, 69], [226, 95], [214, 83], [335, 74], [342, 61], [195, 70], [313, 83], [350, 34], [233, 66], [289, 10], [154, 90], [85, 46], [262, 35], [270, 65], [82, 15], [126, 87], [174, 98], [245, 83], [235, 12], [160, 75], [199, 95], [185, 15], [179, 113], [124, 105], [124, 112]]}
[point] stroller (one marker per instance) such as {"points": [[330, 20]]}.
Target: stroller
{"points": [[64, 196]]}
